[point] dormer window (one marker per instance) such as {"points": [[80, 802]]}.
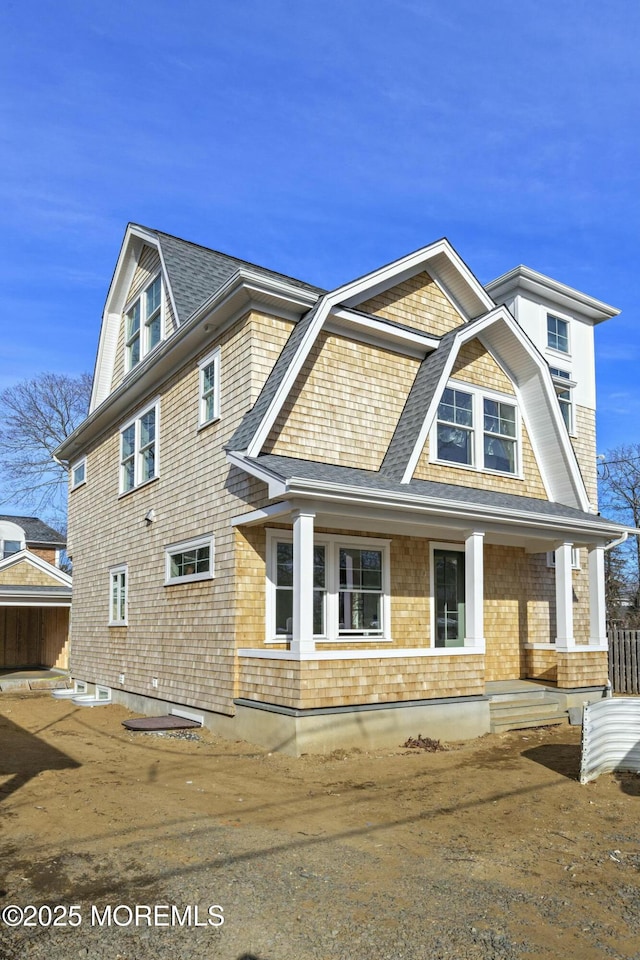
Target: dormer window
{"points": [[143, 323], [9, 547], [477, 429], [557, 333]]}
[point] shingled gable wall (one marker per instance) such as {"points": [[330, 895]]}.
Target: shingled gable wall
{"points": [[419, 303]]}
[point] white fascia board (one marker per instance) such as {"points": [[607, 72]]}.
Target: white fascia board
{"points": [[277, 486], [42, 565], [541, 286], [32, 600], [394, 272], [357, 496], [272, 512], [368, 329]]}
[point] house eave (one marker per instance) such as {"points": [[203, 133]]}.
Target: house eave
{"points": [[243, 292], [546, 288]]}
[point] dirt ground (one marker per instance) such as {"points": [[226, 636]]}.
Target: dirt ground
{"points": [[488, 849]]}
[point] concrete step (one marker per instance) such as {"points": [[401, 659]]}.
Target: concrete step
{"points": [[522, 711]]}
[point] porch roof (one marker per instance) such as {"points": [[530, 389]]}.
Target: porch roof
{"points": [[34, 595], [293, 477]]}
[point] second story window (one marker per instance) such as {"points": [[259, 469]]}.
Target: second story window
{"points": [[9, 547], [143, 323], [563, 384], [557, 333], [78, 473], [477, 429], [139, 449], [210, 388]]}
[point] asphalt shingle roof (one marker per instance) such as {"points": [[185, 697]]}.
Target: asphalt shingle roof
{"points": [[288, 468], [195, 273], [245, 432], [412, 417], [36, 531]]}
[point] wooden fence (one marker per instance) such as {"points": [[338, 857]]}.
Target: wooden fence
{"points": [[624, 660]]}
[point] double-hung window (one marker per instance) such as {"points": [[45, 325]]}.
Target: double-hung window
{"points": [[350, 588], [557, 333], [563, 384], [9, 547], [190, 560], [455, 427], [143, 322], [360, 593], [477, 429], [139, 449], [118, 589], [209, 388], [283, 568]]}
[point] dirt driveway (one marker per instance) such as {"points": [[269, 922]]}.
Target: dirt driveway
{"points": [[490, 849]]}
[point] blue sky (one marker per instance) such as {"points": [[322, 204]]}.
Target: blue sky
{"points": [[321, 140]]}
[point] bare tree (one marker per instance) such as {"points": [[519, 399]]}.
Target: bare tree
{"points": [[35, 417], [620, 497]]}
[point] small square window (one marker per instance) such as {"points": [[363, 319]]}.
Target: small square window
{"points": [[557, 333], [78, 473]]}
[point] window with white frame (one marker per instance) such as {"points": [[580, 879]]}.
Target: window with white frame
{"points": [[189, 561], [563, 384], [557, 333], [143, 322], [459, 438], [575, 558], [139, 449], [118, 599], [78, 473], [209, 388], [9, 547], [350, 588]]}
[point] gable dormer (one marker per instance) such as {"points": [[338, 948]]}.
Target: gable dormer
{"points": [[139, 313]]}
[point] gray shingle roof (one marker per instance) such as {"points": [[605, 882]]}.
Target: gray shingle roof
{"points": [[412, 417], [195, 272], [36, 531], [245, 432], [289, 468], [28, 590]]}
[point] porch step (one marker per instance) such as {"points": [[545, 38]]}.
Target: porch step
{"points": [[519, 711]]}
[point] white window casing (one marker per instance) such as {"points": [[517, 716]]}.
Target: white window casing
{"points": [[190, 560], [477, 429], [118, 596], [558, 334], [78, 473], [144, 322], [139, 448], [341, 589], [209, 389]]}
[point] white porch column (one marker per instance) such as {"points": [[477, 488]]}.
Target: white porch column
{"points": [[302, 631], [565, 639], [597, 609], [474, 590]]}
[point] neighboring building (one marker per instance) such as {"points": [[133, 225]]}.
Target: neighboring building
{"points": [[290, 508], [35, 595]]}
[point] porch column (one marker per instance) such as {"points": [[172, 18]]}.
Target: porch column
{"points": [[302, 630], [565, 639], [474, 590], [597, 608]]}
